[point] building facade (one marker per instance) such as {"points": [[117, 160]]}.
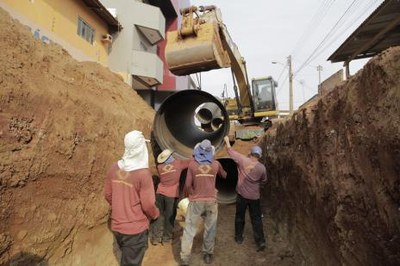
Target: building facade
{"points": [[128, 36], [83, 28], [138, 51], [171, 83]]}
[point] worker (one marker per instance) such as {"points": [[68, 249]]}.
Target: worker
{"points": [[252, 174], [129, 190], [169, 170], [200, 188]]}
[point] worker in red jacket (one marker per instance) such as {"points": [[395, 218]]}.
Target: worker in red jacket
{"points": [[129, 190], [169, 171], [200, 188], [252, 174]]}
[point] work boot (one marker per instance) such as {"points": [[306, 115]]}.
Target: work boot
{"points": [[261, 247], [239, 239], [207, 258], [155, 242], [166, 241], [184, 263]]}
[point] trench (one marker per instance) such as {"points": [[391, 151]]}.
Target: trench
{"points": [[334, 168]]}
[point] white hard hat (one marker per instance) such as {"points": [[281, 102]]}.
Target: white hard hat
{"points": [[162, 157]]}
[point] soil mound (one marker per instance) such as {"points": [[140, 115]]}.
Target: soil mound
{"points": [[62, 124]]}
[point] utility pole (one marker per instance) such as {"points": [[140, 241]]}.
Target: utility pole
{"points": [[319, 69], [289, 62]]}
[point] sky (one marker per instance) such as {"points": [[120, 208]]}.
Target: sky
{"points": [[269, 31]]}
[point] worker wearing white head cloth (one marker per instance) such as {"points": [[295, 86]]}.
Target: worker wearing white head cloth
{"points": [[129, 190], [136, 154]]}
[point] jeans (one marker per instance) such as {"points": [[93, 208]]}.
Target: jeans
{"points": [[255, 217], [132, 247], [196, 209], [163, 227]]}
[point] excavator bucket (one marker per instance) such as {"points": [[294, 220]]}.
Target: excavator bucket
{"points": [[197, 53]]}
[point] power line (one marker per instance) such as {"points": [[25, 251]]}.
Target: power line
{"points": [[350, 24], [326, 37], [280, 75], [308, 64], [316, 20], [365, 10], [281, 86], [304, 84], [329, 34]]}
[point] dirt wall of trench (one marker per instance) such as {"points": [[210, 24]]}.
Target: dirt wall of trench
{"points": [[62, 125], [334, 171]]}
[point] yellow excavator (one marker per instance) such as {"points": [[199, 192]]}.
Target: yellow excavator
{"points": [[202, 43]]}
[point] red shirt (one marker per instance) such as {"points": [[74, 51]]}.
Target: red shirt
{"points": [[200, 180], [132, 199], [252, 173], [169, 177]]}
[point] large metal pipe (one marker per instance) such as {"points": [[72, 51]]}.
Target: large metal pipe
{"points": [[216, 122], [227, 186], [204, 115], [217, 119], [176, 127]]}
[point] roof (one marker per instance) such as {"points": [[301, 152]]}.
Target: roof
{"points": [[104, 14], [378, 32], [167, 8]]}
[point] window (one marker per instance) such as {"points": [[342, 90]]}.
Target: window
{"points": [[263, 94], [143, 46], [85, 31]]}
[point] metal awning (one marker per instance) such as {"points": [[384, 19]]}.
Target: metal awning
{"points": [[378, 32], [97, 7]]}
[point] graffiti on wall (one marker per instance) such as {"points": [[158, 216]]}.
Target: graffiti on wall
{"points": [[40, 36]]}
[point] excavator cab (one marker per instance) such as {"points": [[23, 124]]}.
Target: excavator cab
{"points": [[264, 97]]}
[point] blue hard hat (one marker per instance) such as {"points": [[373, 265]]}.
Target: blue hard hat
{"points": [[256, 150]]}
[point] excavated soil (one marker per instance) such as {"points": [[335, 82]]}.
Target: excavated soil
{"points": [[332, 196], [62, 125], [335, 171]]}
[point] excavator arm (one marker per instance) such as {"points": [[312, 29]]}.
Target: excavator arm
{"points": [[203, 43]]}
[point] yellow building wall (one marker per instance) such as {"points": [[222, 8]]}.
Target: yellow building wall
{"points": [[57, 21]]}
